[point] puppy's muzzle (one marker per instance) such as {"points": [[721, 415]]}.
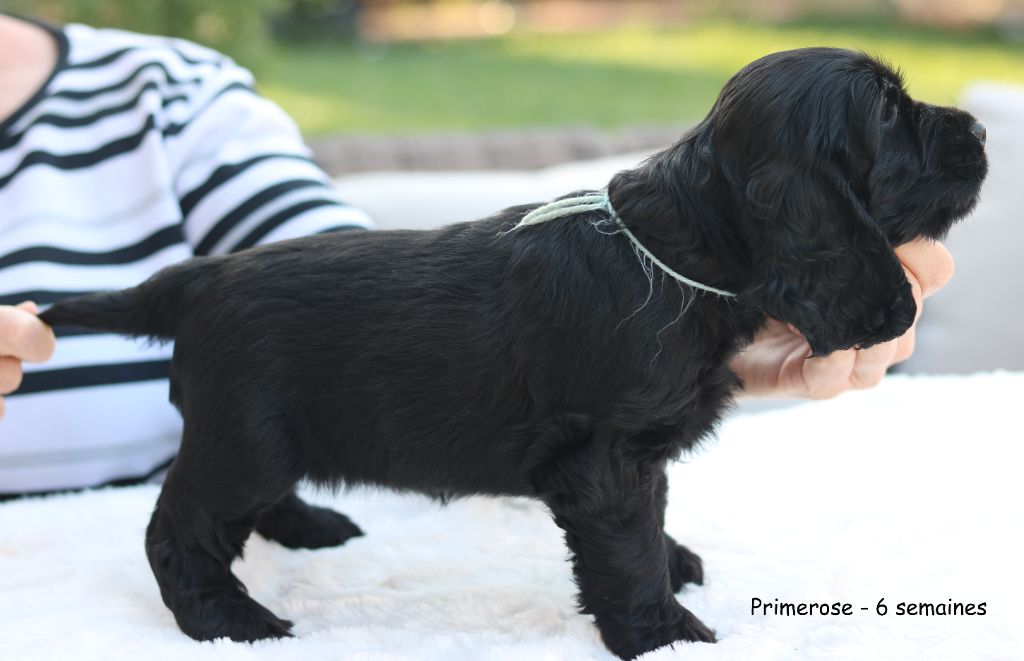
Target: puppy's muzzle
{"points": [[978, 131]]}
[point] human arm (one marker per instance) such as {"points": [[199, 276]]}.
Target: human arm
{"points": [[241, 172]]}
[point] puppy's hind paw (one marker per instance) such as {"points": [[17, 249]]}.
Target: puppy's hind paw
{"points": [[330, 528], [297, 525], [231, 614]]}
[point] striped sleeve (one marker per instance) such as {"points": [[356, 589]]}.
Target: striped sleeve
{"points": [[241, 171], [137, 153]]}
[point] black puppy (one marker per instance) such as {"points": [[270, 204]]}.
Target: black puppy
{"points": [[545, 361]]}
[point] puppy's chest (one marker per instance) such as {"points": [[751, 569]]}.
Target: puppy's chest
{"points": [[672, 404], [695, 401]]}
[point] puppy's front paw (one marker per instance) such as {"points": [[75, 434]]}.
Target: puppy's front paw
{"points": [[670, 624], [692, 630], [684, 566]]}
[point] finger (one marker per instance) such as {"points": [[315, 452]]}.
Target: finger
{"points": [[827, 376], [917, 292], [871, 364], [24, 336], [1, 407], [930, 262], [10, 375], [28, 306], [905, 346]]}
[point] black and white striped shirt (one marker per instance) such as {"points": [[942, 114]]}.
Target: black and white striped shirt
{"points": [[137, 152]]}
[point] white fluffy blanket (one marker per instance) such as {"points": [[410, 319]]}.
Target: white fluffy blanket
{"points": [[907, 493]]}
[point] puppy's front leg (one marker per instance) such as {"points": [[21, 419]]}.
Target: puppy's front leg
{"points": [[612, 527]]}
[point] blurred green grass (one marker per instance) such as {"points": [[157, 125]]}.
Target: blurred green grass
{"points": [[632, 75]]}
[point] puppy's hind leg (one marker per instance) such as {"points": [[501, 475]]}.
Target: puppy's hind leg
{"points": [[684, 566], [214, 493], [299, 525]]}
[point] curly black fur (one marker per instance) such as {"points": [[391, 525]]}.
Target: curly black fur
{"points": [[541, 362]]}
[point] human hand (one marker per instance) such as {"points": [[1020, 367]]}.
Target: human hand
{"points": [[22, 338], [778, 362]]}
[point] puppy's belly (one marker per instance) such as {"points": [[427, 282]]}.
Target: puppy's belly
{"points": [[434, 465]]}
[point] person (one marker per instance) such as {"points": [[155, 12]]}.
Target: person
{"points": [[122, 153]]}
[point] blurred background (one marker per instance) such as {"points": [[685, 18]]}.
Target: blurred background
{"points": [[405, 66], [424, 109]]}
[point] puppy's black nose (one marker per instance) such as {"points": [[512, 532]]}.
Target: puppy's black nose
{"points": [[978, 131]]}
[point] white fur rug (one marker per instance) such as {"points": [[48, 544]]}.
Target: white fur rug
{"points": [[907, 493]]}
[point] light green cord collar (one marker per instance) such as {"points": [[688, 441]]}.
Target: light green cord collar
{"points": [[601, 202]]}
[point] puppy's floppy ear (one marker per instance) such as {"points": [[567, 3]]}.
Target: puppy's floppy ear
{"points": [[821, 263]]}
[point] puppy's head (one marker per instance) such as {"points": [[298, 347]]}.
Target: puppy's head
{"points": [[832, 164]]}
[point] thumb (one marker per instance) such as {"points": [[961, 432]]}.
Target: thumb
{"points": [[41, 340]]}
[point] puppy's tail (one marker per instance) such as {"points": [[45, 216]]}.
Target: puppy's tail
{"points": [[153, 309]]}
